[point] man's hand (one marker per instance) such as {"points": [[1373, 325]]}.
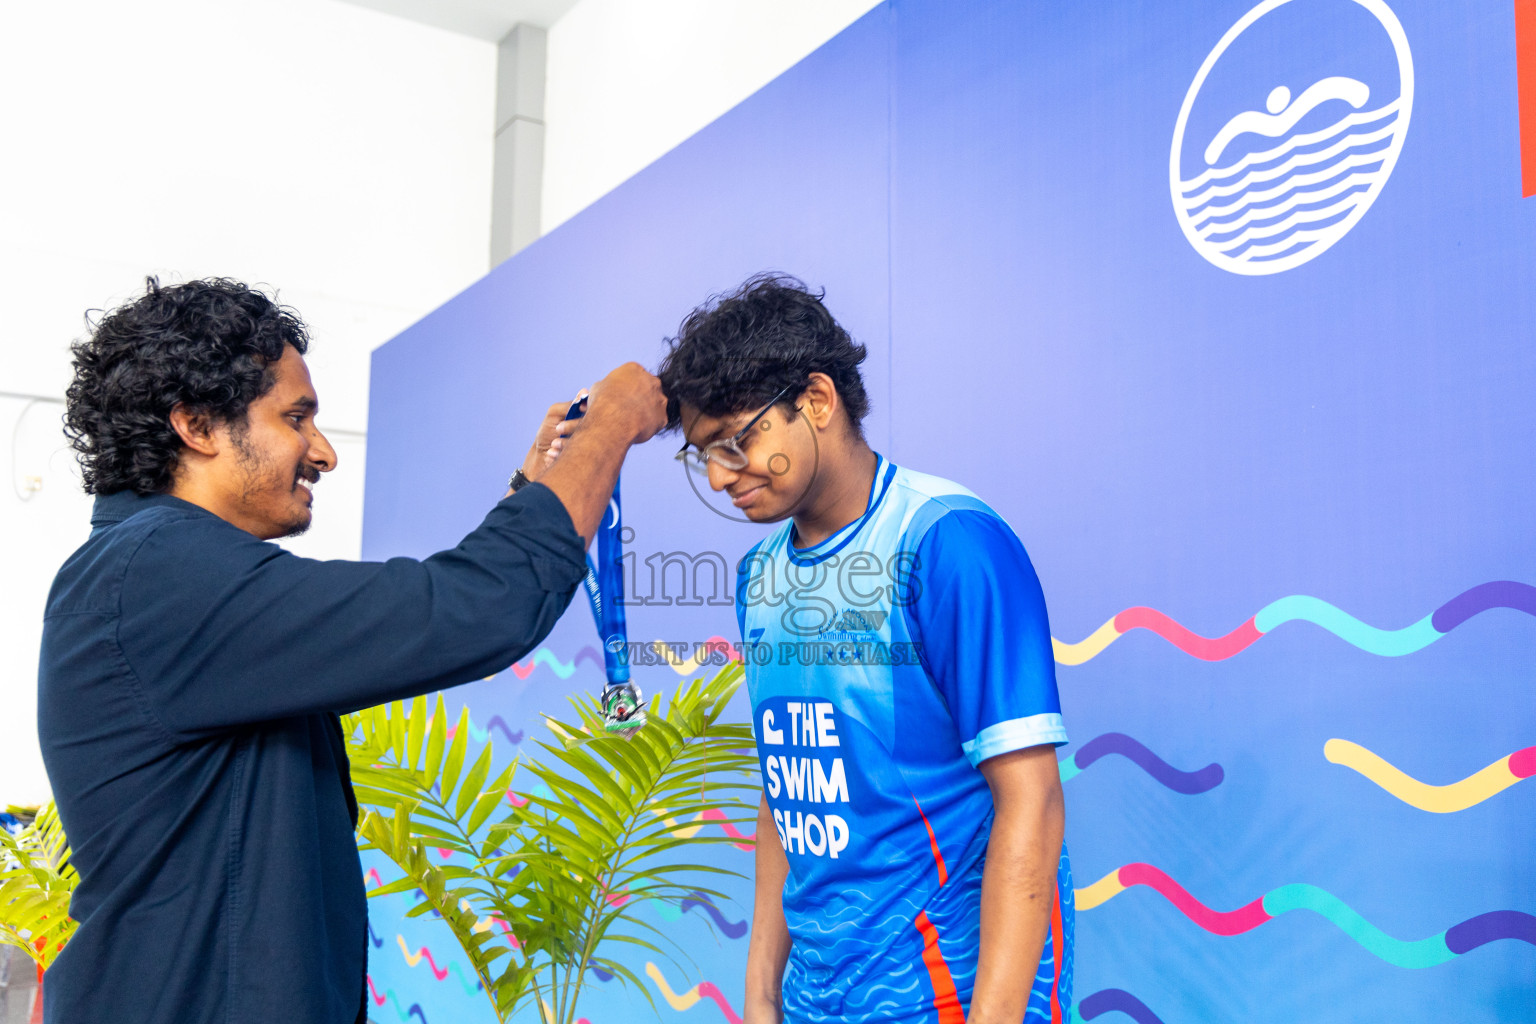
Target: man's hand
{"points": [[630, 399], [625, 408], [549, 439]]}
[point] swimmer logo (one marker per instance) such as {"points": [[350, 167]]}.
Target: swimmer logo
{"points": [[1262, 191]]}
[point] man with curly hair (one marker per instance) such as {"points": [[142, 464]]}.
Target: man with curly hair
{"points": [[903, 695], [191, 672]]}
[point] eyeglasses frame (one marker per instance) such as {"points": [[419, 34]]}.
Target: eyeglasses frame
{"points": [[732, 442]]}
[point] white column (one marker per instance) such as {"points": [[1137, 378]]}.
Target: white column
{"points": [[518, 168]]}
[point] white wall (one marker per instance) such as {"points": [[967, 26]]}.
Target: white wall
{"points": [[339, 154], [627, 80]]}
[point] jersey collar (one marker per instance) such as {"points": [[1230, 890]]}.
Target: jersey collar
{"points": [[885, 472]]}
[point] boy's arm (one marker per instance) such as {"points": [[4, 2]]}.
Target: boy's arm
{"points": [[1018, 885], [768, 949]]}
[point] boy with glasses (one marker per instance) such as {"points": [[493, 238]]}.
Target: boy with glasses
{"points": [[903, 694]]}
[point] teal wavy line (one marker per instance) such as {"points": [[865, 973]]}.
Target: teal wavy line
{"points": [[404, 1014], [1069, 769], [1300, 896], [470, 988], [1389, 643], [544, 656]]}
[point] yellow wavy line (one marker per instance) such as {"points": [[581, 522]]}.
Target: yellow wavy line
{"points": [[682, 666], [681, 831], [1076, 654], [1456, 796], [410, 958], [1104, 889], [677, 1002]]}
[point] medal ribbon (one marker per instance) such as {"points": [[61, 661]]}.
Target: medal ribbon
{"points": [[604, 583]]}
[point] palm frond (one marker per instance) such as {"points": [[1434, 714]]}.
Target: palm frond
{"points": [[568, 869], [36, 882]]}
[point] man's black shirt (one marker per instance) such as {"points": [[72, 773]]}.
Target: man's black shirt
{"points": [[188, 689]]}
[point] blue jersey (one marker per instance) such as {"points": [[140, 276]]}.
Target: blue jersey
{"points": [[884, 664]]}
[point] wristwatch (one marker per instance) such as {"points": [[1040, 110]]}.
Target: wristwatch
{"points": [[519, 480]]}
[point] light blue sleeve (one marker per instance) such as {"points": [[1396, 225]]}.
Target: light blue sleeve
{"points": [[979, 614]]}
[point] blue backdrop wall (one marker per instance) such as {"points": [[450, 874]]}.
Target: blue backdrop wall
{"points": [[1228, 310]]}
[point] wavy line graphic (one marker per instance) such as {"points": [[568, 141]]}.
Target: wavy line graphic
{"points": [[1390, 643], [373, 937], [1413, 954], [701, 654], [743, 841], [1295, 142], [686, 1001], [675, 912], [1188, 783], [1353, 141], [480, 735], [1113, 1000], [405, 1014], [440, 973], [563, 669], [1447, 799]]}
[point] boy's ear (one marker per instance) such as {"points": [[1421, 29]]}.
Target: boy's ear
{"points": [[195, 430], [820, 400]]}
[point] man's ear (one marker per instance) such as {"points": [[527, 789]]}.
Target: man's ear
{"points": [[195, 430], [819, 400]]}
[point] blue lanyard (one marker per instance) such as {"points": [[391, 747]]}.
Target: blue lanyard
{"points": [[604, 584]]}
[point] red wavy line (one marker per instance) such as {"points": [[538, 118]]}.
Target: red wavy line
{"points": [[707, 989], [1217, 922], [1204, 647]]}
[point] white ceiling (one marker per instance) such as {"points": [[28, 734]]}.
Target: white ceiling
{"points": [[482, 19]]}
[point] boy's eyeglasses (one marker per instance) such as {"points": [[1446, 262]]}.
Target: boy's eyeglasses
{"points": [[727, 451]]}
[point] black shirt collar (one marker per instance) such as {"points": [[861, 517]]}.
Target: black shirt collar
{"points": [[115, 507]]}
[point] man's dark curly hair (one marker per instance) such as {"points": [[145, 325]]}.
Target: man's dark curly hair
{"points": [[206, 345], [737, 351]]}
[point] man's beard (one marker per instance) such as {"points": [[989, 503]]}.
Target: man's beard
{"points": [[258, 474]]}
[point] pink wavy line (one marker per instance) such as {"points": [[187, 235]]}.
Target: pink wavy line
{"points": [[376, 997], [437, 972], [373, 873], [716, 814], [709, 991], [1206, 648], [726, 646], [1217, 922]]}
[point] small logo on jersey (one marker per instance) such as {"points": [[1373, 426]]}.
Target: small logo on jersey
{"points": [[854, 620], [1289, 130]]}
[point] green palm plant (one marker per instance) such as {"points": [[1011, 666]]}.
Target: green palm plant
{"points": [[551, 888], [36, 880]]}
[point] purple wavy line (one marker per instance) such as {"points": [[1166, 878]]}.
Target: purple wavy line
{"points": [[497, 722], [602, 975], [1188, 783], [732, 929], [1490, 927], [1499, 594], [373, 937], [1116, 1000]]}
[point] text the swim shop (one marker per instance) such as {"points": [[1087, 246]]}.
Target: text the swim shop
{"points": [[805, 771]]}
